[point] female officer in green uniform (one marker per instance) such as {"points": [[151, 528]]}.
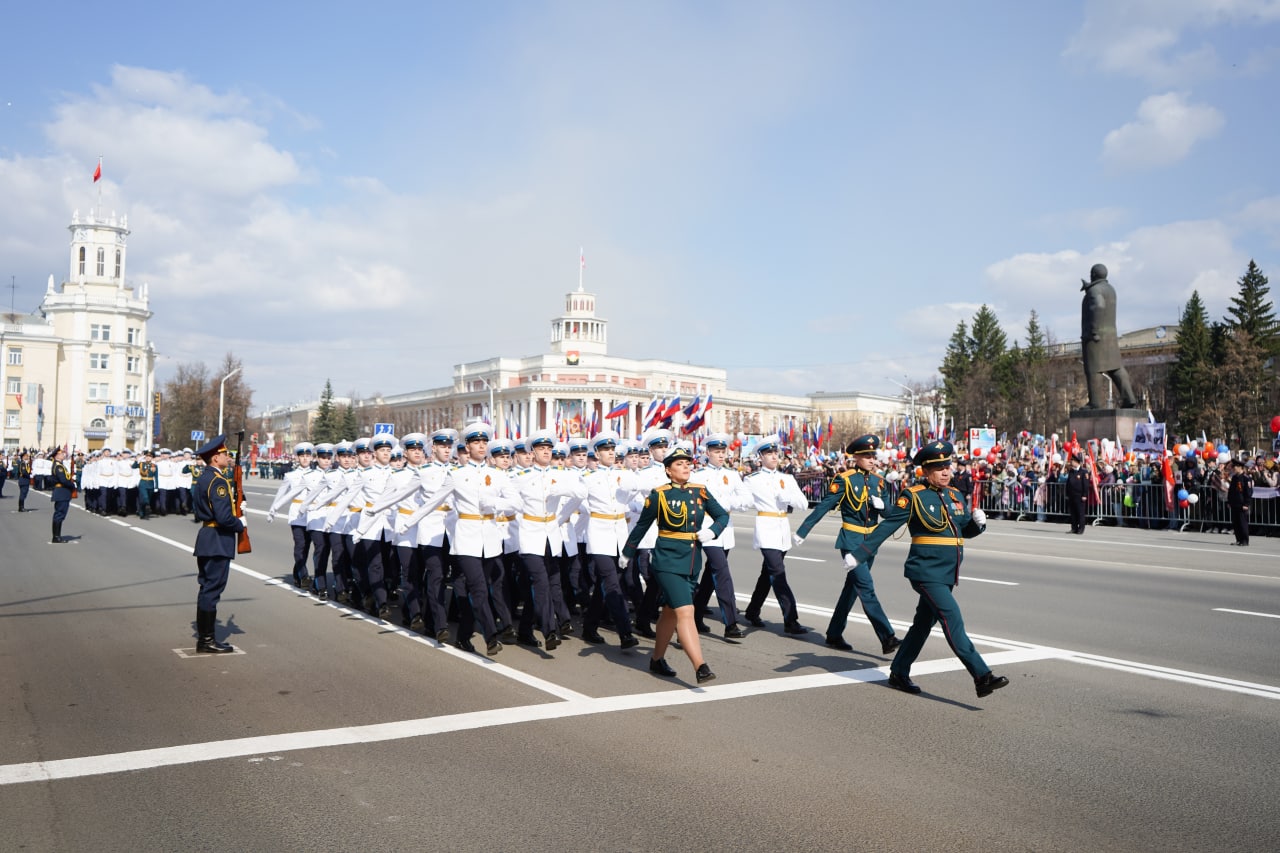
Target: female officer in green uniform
{"points": [[939, 523], [678, 509]]}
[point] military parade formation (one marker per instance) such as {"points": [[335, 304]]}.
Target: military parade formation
{"points": [[480, 542]]}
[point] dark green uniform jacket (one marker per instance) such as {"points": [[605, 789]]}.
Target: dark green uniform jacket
{"points": [[938, 523]]}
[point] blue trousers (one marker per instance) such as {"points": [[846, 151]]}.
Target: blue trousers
{"points": [[858, 584], [606, 593], [773, 573], [471, 586], [541, 588], [213, 572], [937, 604], [320, 557], [717, 578], [301, 544]]}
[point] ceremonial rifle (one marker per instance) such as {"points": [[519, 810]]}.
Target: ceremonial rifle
{"points": [[242, 538]]}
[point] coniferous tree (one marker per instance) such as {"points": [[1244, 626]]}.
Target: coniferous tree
{"points": [[350, 423], [1253, 312], [1191, 375], [326, 426], [955, 364]]}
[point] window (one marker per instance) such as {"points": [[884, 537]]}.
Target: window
{"points": [[11, 417], [135, 336], [15, 385], [132, 363], [118, 259], [15, 356], [99, 390], [99, 361], [100, 332], [131, 393], [97, 423], [82, 260], [102, 261]]}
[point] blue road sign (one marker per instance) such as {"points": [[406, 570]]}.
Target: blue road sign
{"points": [[389, 429], [197, 435]]}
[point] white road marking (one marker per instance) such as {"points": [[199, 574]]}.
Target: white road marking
{"points": [[121, 762], [475, 660], [987, 580], [1247, 612], [805, 559]]}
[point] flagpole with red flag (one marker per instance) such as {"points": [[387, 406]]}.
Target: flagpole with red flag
{"points": [[97, 179]]}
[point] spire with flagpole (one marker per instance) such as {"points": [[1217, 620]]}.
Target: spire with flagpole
{"points": [[582, 265]]}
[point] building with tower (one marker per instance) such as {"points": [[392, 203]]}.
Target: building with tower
{"points": [[576, 384], [80, 370]]}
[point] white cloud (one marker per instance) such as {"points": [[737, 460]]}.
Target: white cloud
{"points": [[1146, 38], [1166, 129]]}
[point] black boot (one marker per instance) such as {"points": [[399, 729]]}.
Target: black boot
{"points": [[57, 533], [206, 643]]}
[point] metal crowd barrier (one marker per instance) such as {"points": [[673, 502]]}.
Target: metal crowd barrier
{"points": [[1140, 505]]}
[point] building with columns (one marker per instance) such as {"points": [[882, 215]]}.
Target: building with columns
{"points": [[577, 379], [80, 371]]}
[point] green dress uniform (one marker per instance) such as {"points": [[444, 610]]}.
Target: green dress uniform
{"points": [[146, 486], [676, 563], [939, 521], [854, 491]]}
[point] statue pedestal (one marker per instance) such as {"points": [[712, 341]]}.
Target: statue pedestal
{"points": [[1111, 424]]}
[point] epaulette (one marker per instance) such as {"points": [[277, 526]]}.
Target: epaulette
{"points": [[662, 488], [753, 473]]}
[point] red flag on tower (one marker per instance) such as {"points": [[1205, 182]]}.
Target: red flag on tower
{"points": [[97, 173]]}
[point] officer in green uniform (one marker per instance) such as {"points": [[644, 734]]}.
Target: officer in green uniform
{"points": [[859, 493], [146, 484], [939, 523], [678, 509]]}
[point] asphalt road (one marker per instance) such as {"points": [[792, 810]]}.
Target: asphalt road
{"points": [[1142, 714]]}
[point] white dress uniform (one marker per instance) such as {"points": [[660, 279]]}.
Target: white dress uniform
{"points": [[726, 486], [476, 492], [773, 492]]}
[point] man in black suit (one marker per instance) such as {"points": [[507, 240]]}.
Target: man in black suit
{"points": [[1078, 489]]}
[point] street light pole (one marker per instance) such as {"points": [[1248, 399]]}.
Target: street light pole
{"points": [[222, 396], [915, 426], [493, 420]]}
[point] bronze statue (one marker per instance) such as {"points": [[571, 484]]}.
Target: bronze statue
{"points": [[1099, 343]]}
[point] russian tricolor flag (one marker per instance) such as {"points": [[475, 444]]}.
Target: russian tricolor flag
{"points": [[618, 411]]}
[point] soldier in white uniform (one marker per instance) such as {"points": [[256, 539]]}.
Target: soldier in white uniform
{"points": [[541, 490], [774, 494], [501, 457], [726, 486], [126, 482], [183, 480], [291, 496], [608, 490], [477, 492], [574, 568], [370, 557], [316, 481], [89, 482], [336, 481], [106, 483], [165, 482], [655, 443]]}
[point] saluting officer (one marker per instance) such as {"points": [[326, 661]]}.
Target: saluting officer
{"points": [[859, 493], [213, 498], [939, 523], [774, 494]]}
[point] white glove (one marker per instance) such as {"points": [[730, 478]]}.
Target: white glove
{"points": [[486, 506], [705, 536], [877, 502], [980, 517], [242, 506], [244, 522], [797, 539], [623, 562], [851, 561], [271, 516]]}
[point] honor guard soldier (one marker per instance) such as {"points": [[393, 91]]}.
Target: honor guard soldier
{"points": [[726, 486], [291, 496], [166, 481], [541, 490], [370, 558], [574, 566], [501, 457], [146, 484], [21, 473], [859, 493], [677, 509], [183, 479], [64, 485], [477, 492], [939, 522], [607, 491], [126, 482], [106, 483], [213, 502], [774, 494], [336, 481], [192, 472]]}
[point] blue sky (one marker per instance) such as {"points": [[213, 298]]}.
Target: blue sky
{"points": [[810, 195]]}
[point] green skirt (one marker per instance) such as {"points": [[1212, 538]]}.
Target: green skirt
{"points": [[674, 590]]}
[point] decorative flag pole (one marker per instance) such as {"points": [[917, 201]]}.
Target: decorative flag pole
{"points": [[582, 266], [97, 179]]}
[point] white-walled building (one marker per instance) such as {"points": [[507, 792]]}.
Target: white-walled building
{"points": [[80, 371]]}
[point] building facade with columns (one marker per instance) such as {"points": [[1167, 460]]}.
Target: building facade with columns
{"points": [[577, 380], [80, 371]]}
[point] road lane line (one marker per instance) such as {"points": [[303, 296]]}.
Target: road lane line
{"points": [[1247, 612], [475, 660], [144, 759]]}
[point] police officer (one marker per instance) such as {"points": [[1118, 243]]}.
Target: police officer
{"points": [[939, 523], [64, 485], [725, 484], [1239, 496], [1077, 489], [859, 493], [677, 509], [213, 502], [774, 494]]}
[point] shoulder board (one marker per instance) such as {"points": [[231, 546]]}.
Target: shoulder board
{"points": [[662, 488], [916, 488], [754, 473]]}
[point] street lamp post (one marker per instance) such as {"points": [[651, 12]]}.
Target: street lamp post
{"points": [[493, 420], [222, 396], [915, 426]]}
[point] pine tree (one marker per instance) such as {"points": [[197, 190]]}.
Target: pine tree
{"points": [[1190, 376], [987, 341], [350, 423], [325, 428], [1251, 311], [955, 363]]}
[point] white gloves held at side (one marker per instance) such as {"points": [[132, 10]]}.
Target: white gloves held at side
{"points": [[980, 517], [623, 562], [877, 502], [705, 536]]}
